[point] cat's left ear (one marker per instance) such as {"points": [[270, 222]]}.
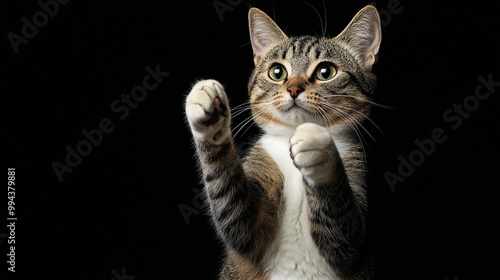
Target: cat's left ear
{"points": [[364, 35], [264, 33]]}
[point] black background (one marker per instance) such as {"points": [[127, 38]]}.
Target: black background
{"points": [[119, 208]]}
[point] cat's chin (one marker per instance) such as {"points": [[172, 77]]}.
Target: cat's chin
{"points": [[296, 115], [295, 112]]}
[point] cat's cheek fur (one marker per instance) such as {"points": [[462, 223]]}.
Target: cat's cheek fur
{"points": [[208, 113], [313, 152]]}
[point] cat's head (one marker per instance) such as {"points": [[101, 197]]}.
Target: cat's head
{"points": [[327, 81]]}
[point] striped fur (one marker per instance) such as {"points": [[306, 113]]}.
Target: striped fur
{"points": [[295, 206]]}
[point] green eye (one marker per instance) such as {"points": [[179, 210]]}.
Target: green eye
{"points": [[325, 71], [277, 73]]}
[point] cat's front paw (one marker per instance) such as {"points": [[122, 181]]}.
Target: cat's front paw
{"points": [[313, 152], [208, 113]]}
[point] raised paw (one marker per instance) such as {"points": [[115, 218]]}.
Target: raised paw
{"points": [[313, 152], [208, 113]]}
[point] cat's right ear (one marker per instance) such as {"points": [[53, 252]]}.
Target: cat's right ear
{"points": [[264, 33], [363, 35]]}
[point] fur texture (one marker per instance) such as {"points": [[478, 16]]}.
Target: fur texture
{"points": [[295, 207]]}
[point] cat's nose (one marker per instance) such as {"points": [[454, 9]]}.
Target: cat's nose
{"points": [[294, 91]]}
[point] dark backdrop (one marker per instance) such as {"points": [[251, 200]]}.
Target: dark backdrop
{"points": [[118, 213]]}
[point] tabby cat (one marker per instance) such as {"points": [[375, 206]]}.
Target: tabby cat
{"points": [[295, 206]]}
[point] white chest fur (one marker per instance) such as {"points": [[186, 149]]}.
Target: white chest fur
{"points": [[293, 255]]}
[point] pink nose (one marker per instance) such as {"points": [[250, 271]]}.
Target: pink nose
{"points": [[294, 91]]}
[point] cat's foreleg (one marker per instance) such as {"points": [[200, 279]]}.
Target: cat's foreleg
{"points": [[335, 215], [238, 203]]}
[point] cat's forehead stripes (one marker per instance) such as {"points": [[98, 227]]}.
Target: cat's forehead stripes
{"points": [[298, 50], [301, 52], [301, 46]]}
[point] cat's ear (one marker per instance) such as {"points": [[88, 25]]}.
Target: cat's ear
{"points": [[264, 33], [363, 34]]}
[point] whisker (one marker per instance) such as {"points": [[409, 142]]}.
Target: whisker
{"points": [[286, 27], [367, 117], [335, 107], [319, 15], [344, 116], [241, 105], [310, 26], [238, 110], [362, 99], [326, 117], [249, 119], [245, 106], [274, 14], [326, 19], [241, 125], [247, 43]]}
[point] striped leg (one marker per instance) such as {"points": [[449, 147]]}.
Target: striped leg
{"points": [[239, 205], [336, 212]]}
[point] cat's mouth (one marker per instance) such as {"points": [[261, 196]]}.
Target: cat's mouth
{"points": [[296, 106]]}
